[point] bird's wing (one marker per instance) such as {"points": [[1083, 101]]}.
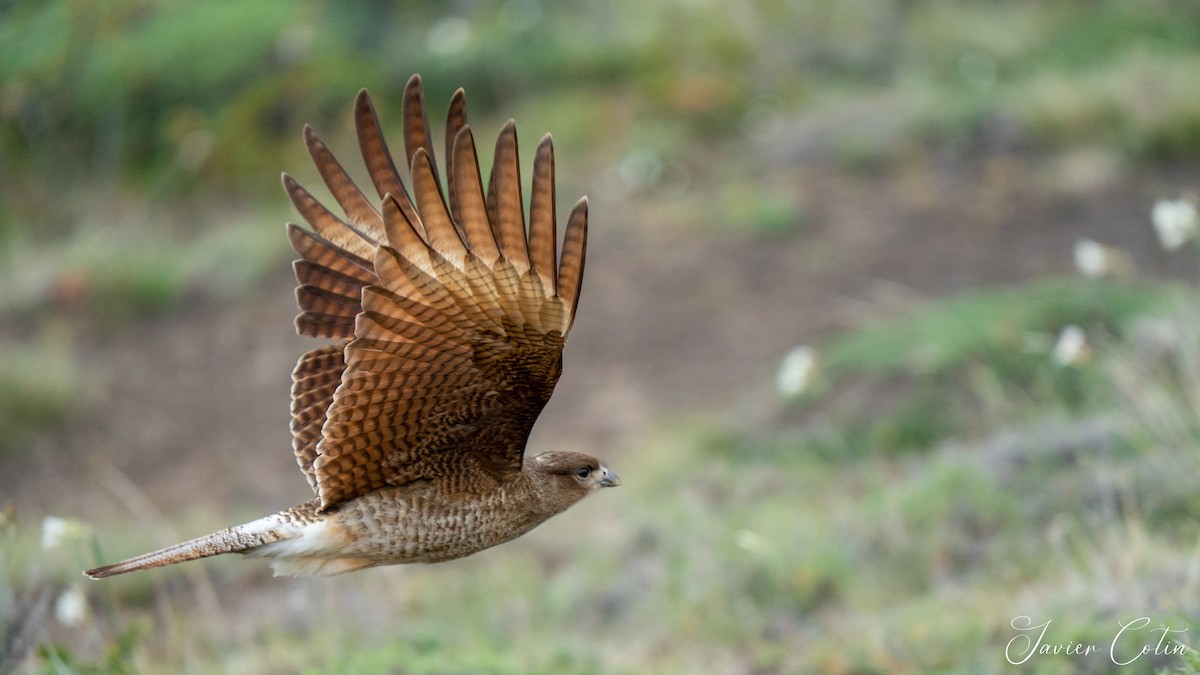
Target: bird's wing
{"points": [[451, 318]]}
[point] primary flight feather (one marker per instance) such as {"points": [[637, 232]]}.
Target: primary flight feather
{"points": [[450, 317]]}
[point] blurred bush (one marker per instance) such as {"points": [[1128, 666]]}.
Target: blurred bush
{"points": [[167, 98]]}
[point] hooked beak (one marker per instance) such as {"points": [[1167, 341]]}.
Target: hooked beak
{"points": [[611, 479]]}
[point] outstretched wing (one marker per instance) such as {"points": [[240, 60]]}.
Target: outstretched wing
{"points": [[451, 317]]}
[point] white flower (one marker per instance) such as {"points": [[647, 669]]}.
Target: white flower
{"points": [[751, 541], [1071, 347], [56, 531], [1097, 261], [1175, 221], [1090, 258], [71, 608], [797, 372]]}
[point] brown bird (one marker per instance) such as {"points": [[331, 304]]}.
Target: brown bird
{"points": [[450, 323]]}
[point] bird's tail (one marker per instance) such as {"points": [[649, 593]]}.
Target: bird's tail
{"points": [[240, 539]]}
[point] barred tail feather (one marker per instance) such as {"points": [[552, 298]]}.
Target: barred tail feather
{"points": [[240, 539]]}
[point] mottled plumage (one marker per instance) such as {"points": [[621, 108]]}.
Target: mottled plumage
{"points": [[450, 319]]}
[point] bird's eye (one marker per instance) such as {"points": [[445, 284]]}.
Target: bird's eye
{"points": [[583, 471]]}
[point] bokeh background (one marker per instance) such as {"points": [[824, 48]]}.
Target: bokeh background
{"points": [[876, 328]]}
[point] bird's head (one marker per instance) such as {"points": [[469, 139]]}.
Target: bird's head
{"points": [[566, 477]]}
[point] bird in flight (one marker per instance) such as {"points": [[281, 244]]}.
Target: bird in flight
{"points": [[449, 317]]}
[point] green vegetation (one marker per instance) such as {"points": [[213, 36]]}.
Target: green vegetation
{"points": [[765, 554], [968, 364], [156, 103], [37, 388], [126, 93]]}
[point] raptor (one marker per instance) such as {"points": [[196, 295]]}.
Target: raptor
{"points": [[448, 317]]}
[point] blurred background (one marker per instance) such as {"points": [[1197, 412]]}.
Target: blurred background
{"points": [[889, 327]]}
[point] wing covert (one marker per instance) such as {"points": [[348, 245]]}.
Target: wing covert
{"points": [[452, 318]]}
